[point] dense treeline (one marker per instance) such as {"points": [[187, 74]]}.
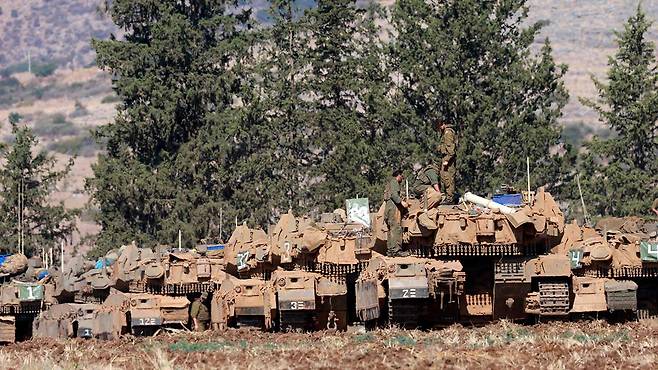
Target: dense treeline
{"points": [[224, 119]]}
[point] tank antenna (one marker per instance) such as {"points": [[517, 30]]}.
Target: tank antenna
{"points": [[406, 186], [527, 166], [582, 201], [61, 259], [180, 240]]}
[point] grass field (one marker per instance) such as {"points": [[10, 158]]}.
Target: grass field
{"points": [[583, 345]]}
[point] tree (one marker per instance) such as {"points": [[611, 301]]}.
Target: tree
{"points": [[621, 173], [180, 129], [33, 178], [14, 118], [357, 139], [471, 62], [280, 162]]}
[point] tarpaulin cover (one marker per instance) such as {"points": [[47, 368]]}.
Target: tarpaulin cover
{"points": [[508, 199], [102, 262], [215, 247], [3, 257]]}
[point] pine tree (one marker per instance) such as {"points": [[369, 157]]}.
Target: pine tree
{"points": [[471, 62], [281, 111], [173, 149], [32, 178], [620, 174], [356, 138]]}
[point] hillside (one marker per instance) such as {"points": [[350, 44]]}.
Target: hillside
{"points": [[51, 30], [580, 31]]}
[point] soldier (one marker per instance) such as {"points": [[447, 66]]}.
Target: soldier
{"points": [[426, 186], [447, 150], [393, 215], [199, 313], [654, 206]]}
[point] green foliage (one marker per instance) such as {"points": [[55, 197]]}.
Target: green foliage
{"points": [[39, 69], [470, 61], [44, 69], [312, 109], [83, 145], [44, 224], [55, 126], [620, 174], [357, 134], [110, 99], [328, 132], [14, 118], [173, 147]]}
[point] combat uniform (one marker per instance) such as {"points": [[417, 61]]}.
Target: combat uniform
{"points": [[199, 311], [423, 186], [392, 217], [447, 149], [655, 204]]}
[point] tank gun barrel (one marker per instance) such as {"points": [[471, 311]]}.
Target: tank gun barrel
{"points": [[484, 202]]}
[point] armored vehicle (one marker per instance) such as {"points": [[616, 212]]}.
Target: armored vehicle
{"points": [[470, 260], [614, 266], [295, 276]]}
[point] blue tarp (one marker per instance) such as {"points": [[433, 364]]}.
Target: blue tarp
{"points": [[102, 262], [508, 199], [42, 274], [3, 257], [215, 247]]}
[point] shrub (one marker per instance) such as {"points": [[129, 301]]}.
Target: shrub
{"points": [[83, 145], [57, 125], [44, 70], [79, 111], [110, 99]]}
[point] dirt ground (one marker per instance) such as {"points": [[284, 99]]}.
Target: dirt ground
{"points": [[584, 345]]}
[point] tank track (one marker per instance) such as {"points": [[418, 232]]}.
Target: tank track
{"points": [[623, 273], [24, 308], [174, 289], [297, 320], [553, 298], [473, 250], [332, 270], [405, 313]]}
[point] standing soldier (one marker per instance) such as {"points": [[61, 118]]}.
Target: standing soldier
{"points": [[393, 215], [426, 186], [654, 206], [199, 313], [447, 150]]}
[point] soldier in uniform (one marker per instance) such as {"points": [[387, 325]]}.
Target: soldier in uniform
{"points": [[447, 150], [393, 215], [426, 186], [654, 206], [199, 313]]}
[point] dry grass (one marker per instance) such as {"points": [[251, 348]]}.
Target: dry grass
{"points": [[593, 344]]}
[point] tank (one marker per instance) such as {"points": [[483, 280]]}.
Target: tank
{"points": [[296, 276], [511, 257], [479, 248], [614, 267]]}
